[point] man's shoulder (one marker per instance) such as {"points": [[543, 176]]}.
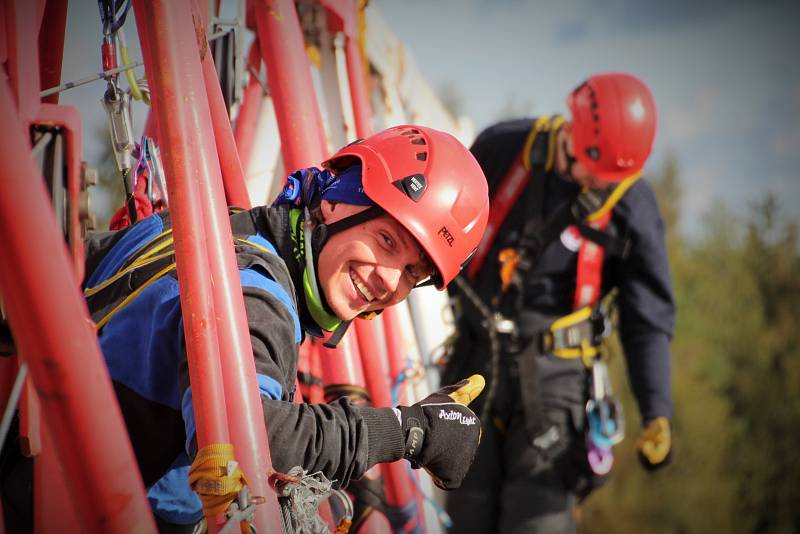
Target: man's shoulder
{"points": [[639, 207], [505, 130], [640, 196]]}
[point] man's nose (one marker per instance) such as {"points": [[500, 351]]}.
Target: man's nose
{"points": [[387, 281]]}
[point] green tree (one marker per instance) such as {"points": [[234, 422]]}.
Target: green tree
{"points": [[736, 384]]}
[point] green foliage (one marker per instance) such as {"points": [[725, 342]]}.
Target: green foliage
{"points": [[736, 385]]}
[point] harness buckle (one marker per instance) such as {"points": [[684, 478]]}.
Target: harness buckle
{"points": [[504, 325], [587, 202]]}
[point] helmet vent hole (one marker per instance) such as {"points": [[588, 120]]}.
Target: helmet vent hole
{"points": [[418, 141], [422, 156], [593, 152]]}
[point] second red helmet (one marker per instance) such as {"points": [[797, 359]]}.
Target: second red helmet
{"points": [[430, 183], [613, 125]]}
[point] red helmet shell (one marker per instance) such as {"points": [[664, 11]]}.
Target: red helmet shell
{"points": [[613, 125], [431, 184]]}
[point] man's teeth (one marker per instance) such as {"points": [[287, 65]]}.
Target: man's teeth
{"points": [[365, 292]]}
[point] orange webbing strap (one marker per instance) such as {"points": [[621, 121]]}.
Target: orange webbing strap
{"points": [[512, 185], [216, 477]]}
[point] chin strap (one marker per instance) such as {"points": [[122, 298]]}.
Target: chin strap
{"points": [[337, 335]]}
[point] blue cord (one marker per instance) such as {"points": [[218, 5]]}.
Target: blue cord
{"points": [[441, 514]]}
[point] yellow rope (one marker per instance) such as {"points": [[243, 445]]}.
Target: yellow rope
{"points": [[614, 197], [89, 291], [136, 92], [538, 126], [102, 322], [216, 477], [555, 126]]}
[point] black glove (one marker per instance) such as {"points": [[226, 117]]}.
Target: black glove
{"points": [[655, 444], [442, 434]]}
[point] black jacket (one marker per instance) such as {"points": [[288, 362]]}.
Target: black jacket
{"points": [[647, 310]]}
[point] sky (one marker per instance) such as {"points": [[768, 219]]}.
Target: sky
{"points": [[724, 75]]}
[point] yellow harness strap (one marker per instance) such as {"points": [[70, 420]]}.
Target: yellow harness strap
{"points": [[542, 124], [216, 477], [586, 351]]}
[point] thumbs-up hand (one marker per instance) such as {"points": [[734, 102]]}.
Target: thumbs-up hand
{"points": [[442, 433]]}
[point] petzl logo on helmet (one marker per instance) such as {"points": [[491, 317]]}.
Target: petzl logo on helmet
{"points": [[445, 233], [413, 186]]}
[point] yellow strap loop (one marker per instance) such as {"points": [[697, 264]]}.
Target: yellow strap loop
{"points": [[538, 126], [89, 291], [216, 477], [586, 351], [136, 92], [254, 245], [572, 319], [542, 124], [614, 197], [555, 125]]}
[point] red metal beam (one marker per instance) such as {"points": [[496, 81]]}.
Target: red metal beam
{"points": [[357, 79], [342, 17], [54, 334], [203, 245], [52, 510], [21, 29], [232, 175], [398, 486], [247, 120], [180, 129], [290, 84], [51, 46]]}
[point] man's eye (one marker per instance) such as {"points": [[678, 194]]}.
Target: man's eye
{"points": [[388, 240]]}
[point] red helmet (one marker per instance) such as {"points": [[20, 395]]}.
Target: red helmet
{"points": [[613, 125], [431, 184]]}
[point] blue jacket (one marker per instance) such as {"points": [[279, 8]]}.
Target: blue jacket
{"points": [[144, 347]]}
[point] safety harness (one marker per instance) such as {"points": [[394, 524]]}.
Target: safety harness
{"points": [[578, 334], [215, 475]]}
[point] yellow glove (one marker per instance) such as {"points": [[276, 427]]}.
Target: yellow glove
{"points": [[655, 444]]}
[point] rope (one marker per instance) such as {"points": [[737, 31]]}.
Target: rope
{"points": [[88, 79], [216, 477], [441, 514], [494, 343], [136, 91], [399, 516]]}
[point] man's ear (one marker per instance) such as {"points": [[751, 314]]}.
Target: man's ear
{"points": [[326, 209]]}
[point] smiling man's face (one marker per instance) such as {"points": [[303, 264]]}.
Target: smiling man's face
{"points": [[369, 266]]}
